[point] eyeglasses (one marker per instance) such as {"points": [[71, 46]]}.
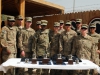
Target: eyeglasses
{"points": [[84, 28]]}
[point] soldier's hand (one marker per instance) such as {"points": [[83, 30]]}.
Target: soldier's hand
{"points": [[23, 53], [8, 51], [98, 51]]}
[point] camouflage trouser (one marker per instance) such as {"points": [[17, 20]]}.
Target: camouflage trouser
{"points": [[57, 72], [81, 72], [42, 71], [5, 57], [25, 71]]}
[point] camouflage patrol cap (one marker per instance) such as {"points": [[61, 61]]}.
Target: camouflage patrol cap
{"points": [[28, 19], [92, 25], [68, 22], [11, 18], [84, 26], [78, 20], [38, 22], [56, 24], [61, 21], [44, 22], [19, 17]]}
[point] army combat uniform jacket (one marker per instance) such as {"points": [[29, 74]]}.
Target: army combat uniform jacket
{"points": [[54, 43], [8, 38], [66, 39], [96, 39], [26, 40], [42, 42], [83, 47]]}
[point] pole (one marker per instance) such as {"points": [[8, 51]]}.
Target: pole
{"points": [[73, 6]]}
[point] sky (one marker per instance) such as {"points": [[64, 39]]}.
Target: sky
{"points": [[80, 5]]}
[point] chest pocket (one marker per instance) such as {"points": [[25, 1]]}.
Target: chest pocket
{"points": [[65, 38], [43, 37], [11, 35]]}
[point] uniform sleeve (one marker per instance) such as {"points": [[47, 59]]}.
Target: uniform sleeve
{"points": [[20, 40], [74, 46], [61, 44], [4, 37], [93, 49], [34, 44], [99, 43]]}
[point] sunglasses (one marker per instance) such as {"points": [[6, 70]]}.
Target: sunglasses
{"points": [[84, 28], [56, 26], [92, 27], [67, 25], [77, 22], [61, 23]]}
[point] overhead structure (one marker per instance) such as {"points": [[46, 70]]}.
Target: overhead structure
{"points": [[29, 8]]}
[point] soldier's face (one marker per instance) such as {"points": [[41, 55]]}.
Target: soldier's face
{"points": [[92, 29], [43, 27], [78, 25], [11, 23], [38, 26], [56, 28], [19, 22], [28, 24], [61, 25], [67, 27], [84, 30]]}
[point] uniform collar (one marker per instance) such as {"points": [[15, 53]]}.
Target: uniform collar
{"points": [[11, 28]]}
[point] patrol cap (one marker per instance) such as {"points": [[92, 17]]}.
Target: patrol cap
{"points": [[28, 19], [61, 21], [68, 22], [84, 26], [38, 22], [19, 17], [44, 22], [78, 20], [92, 25], [56, 24], [11, 18]]}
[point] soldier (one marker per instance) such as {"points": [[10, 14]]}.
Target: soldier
{"points": [[66, 39], [8, 42], [61, 29], [78, 26], [19, 22], [19, 27], [54, 44], [26, 41], [83, 47], [42, 44], [38, 25], [96, 39]]}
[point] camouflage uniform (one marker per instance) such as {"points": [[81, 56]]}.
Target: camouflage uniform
{"points": [[8, 43], [78, 21], [54, 41], [83, 47], [66, 39], [19, 28], [54, 45], [42, 45], [61, 23], [96, 39], [26, 43]]}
